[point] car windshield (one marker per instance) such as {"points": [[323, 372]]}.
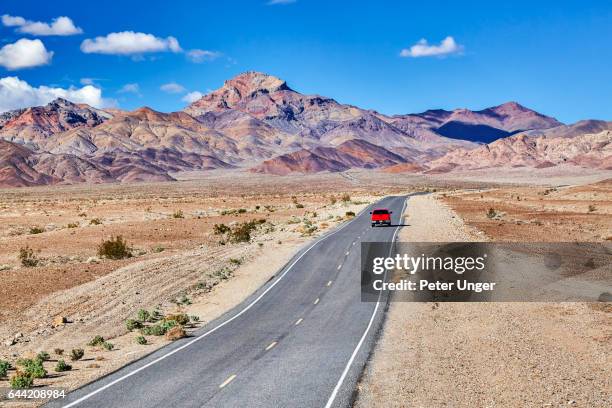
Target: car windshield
{"points": [[380, 212]]}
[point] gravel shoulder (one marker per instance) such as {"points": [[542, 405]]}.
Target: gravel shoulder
{"points": [[485, 354]]}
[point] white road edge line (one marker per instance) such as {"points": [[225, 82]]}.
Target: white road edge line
{"points": [[299, 321], [332, 397], [271, 345], [229, 380], [200, 337], [329, 283], [316, 301]]}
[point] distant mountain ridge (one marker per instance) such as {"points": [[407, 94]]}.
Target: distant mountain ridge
{"points": [[257, 122]]}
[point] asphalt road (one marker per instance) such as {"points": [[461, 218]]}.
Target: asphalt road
{"points": [[300, 341]]}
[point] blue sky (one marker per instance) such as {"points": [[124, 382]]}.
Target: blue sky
{"points": [[552, 56]]}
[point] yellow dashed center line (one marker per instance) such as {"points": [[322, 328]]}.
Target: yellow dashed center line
{"points": [[271, 345], [229, 380]]}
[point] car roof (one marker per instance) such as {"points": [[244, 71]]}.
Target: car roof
{"points": [[378, 209]]}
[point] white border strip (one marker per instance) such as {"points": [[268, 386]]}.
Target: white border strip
{"points": [[332, 397], [157, 360]]}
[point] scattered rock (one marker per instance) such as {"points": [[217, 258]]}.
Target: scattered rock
{"points": [[59, 321]]}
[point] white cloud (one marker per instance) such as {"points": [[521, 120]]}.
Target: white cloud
{"points": [[24, 54], [192, 96], [12, 21], [59, 26], [423, 49], [129, 43], [280, 2], [130, 88], [199, 56], [172, 87], [16, 93]]}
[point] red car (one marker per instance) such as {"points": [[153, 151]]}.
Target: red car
{"points": [[381, 216]]}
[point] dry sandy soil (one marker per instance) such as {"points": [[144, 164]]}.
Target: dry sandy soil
{"points": [[180, 265], [497, 354]]}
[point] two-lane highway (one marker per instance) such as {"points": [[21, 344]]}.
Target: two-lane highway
{"points": [[300, 341]]}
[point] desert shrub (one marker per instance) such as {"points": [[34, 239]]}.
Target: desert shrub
{"points": [[155, 315], [349, 214], [32, 367], [235, 261], [175, 333], [345, 198], [491, 213], [72, 225], [184, 300], [115, 248], [332, 200], [592, 208], [36, 230], [242, 232], [179, 318], [96, 341], [158, 249], [257, 207], [4, 367], [132, 324], [158, 329], [77, 354], [242, 210], [20, 381], [220, 229], [43, 356], [194, 318], [141, 340], [58, 351], [108, 346], [95, 221], [298, 205], [143, 315], [27, 257], [62, 366], [178, 214]]}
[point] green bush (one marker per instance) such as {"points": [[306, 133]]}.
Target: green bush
{"points": [[141, 340], [62, 366], [32, 367], [58, 351], [158, 329], [43, 356], [194, 318], [72, 225], [115, 248], [491, 213], [27, 257], [77, 354], [299, 205], [96, 341], [143, 315], [20, 381], [235, 261], [108, 346], [95, 221], [4, 367], [242, 232], [178, 214], [349, 214], [132, 324]]}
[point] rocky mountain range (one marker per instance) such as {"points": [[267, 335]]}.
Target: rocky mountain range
{"points": [[256, 122]]}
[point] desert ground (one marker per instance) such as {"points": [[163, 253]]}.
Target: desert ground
{"points": [[497, 354], [180, 265]]}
